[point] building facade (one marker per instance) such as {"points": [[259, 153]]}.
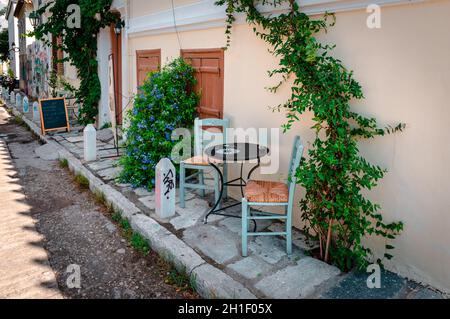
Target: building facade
{"points": [[32, 61], [13, 35], [403, 67]]}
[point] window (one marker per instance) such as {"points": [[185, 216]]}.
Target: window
{"points": [[209, 71], [58, 55], [147, 61]]}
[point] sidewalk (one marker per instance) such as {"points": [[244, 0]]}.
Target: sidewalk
{"points": [[210, 254], [24, 268]]}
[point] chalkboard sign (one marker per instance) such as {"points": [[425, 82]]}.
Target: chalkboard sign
{"points": [[54, 116]]}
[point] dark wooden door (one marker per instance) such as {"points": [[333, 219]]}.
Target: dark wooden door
{"points": [[147, 61], [209, 71]]}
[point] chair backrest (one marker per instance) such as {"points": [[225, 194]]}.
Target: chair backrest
{"points": [[217, 134], [297, 154]]}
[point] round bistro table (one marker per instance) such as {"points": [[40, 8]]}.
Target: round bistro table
{"points": [[233, 153]]}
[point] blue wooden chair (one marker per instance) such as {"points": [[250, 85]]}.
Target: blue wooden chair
{"points": [[217, 134], [271, 194]]}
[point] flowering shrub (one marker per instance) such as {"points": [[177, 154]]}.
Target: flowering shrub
{"points": [[162, 104]]}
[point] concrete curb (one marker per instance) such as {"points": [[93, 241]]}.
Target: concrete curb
{"points": [[210, 281]]}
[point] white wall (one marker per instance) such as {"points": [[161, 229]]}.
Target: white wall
{"points": [[104, 45], [13, 38]]}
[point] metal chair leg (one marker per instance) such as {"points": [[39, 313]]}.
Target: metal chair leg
{"points": [[244, 227], [201, 178], [182, 186], [289, 235], [225, 180], [217, 189]]}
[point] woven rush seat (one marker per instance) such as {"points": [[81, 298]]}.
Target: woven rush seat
{"points": [[266, 192], [201, 160]]}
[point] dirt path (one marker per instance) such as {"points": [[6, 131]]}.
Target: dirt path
{"points": [[76, 233]]}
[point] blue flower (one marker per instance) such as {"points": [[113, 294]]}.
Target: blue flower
{"points": [[147, 160], [170, 127], [156, 93]]}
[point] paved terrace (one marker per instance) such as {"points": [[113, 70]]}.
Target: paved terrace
{"points": [[211, 253]]}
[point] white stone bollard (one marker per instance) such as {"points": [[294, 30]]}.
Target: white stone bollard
{"points": [[26, 105], [13, 98], [90, 143], [18, 100], [36, 113], [165, 188]]}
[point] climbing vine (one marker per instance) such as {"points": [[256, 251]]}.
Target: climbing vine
{"points": [[80, 44], [334, 210]]}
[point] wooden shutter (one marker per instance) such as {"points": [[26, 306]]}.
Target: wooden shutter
{"points": [[147, 61], [58, 55], [209, 71]]}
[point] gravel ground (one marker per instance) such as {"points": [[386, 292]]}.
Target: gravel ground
{"points": [[77, 231]]}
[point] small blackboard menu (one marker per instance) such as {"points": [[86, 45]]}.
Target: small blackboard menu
{"points": [[54, 116]]}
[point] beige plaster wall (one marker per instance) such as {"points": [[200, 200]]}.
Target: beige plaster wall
{"points": [[140, 8]]}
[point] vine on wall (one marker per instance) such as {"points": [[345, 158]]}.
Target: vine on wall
{"points": [[80, 44], [334, 210]]}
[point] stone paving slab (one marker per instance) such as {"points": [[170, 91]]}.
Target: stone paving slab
{"points": [[234, 225], [75, 139], [142, 192], [110, 174], [105, 135], [213, 283], [298, 238], [251, 268], [149, 201], [271, 249], [213, 242], [102, 164], [298, 281]]}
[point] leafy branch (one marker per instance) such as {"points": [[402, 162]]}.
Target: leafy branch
{"points": [[80, 44], [334, 210]]}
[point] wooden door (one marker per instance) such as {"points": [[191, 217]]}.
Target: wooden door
{"points": [[209, 71], [147, 61]]}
